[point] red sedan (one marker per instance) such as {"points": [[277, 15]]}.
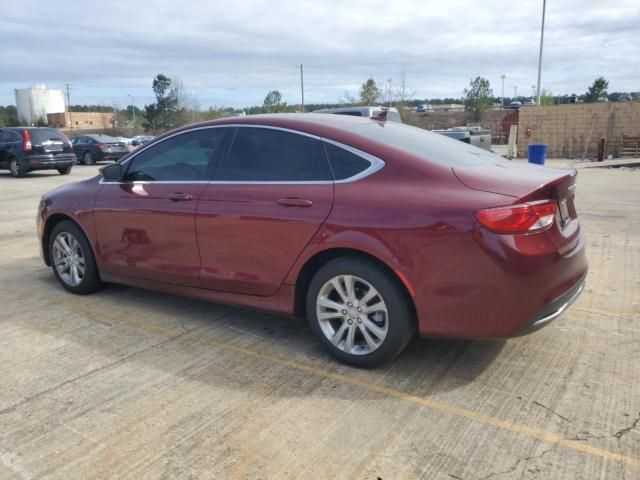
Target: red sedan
{"points": [[371, 229]]}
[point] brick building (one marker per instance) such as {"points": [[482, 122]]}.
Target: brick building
{"points": [[81, 120]]}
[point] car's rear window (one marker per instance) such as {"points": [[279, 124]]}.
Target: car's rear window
{"points": [[40, 135], [105, 139], [422, 143]]}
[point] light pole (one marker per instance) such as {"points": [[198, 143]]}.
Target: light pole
{"points": [[533, 91], [544, 9], [389, 92], [133, 110], [503, 76]]}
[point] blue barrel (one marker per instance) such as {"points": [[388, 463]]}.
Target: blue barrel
{"points": [[537, 154]]}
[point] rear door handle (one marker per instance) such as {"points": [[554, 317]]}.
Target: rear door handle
{"points": [[180, 197], [295, 202]]}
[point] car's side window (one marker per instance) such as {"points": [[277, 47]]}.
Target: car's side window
{"points": [[269, 155], [345, 164], [185, 157]]}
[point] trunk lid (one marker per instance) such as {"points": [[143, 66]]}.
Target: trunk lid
{"points": [[528, 183]]}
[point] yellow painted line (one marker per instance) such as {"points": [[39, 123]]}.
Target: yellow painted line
{"points": [[349, 380]]}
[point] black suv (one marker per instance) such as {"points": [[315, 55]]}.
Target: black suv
{"points": [[23, 149]]}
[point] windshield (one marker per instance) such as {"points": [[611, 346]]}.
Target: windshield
{"points": [[430, 146]]}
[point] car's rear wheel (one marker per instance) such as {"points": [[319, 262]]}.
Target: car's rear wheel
{"points": [[64, 170], [72, 259], [360, 313], [87, 158], [16, 168]]}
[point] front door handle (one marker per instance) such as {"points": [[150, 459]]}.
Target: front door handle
{"points": [[295, 202], [180, 197]]}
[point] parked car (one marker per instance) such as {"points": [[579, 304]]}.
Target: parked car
{"points": [[386, 113], [371, 229], [97, 148], [25, 149], [421, 108], [515, 105], [139, 140]]}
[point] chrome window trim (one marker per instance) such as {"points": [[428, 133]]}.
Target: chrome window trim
{"points": [[375, 163]]}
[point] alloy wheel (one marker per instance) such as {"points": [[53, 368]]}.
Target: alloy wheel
{"points": [[352, 314], [69, 259], [14, 166]]}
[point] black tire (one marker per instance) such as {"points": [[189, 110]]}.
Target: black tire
{"points": [[87, 159], [90, 281], [16, 168], [400, 321], [64, 170]]}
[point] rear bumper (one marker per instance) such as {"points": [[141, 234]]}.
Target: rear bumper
{"points": [[487, 286], [110, 155], [555, 308], [43, 162]]}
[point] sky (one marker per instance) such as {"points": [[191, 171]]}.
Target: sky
{"points": [[231, 53]]}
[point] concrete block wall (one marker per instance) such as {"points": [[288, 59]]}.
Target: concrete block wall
{"points": [[572, 130]]}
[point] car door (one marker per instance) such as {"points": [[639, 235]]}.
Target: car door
{"points": [[145, 224], [4, 147], [268, 198], [78, 146]]}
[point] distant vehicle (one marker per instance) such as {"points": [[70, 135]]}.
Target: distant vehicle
{"points": [[529, 103], [141, 140], [24, 149], [421, 108], [392, 113], [514, 105], [97, 148], [473, 135]]}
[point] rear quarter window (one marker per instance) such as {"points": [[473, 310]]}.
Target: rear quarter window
{"points": [[345, 164]]}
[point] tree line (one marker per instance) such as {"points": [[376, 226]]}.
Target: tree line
{"points": [[173, 107]]}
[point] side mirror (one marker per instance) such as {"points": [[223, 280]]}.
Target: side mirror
{"points": [[112, 173]]}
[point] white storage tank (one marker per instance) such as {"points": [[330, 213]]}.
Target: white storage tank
{"points": [[33, 104]]}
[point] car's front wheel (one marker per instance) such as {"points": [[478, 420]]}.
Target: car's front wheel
{"points": [[87, 158], [72, 259], [64, 170], [359, 311]]}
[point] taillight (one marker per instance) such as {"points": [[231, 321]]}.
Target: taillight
{"points": [[102, 145], [26, 141], [521, 218]]}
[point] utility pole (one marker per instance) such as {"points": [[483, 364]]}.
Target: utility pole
{"points": [[544, 9], [69, 103], [133, 110], [302, 84], [389, 92], [533, 91], [503, 76], [515, 91]]}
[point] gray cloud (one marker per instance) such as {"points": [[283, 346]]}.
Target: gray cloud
{"points": [[231, 53]]}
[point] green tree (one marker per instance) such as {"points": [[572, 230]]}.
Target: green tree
{"points": [[597, 90], [273, 102], [546, 97], [478, 97], [9, 116], [369, 92], [162, 114]]}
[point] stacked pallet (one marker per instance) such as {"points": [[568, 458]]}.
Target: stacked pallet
{"points": [[630, 147]]}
